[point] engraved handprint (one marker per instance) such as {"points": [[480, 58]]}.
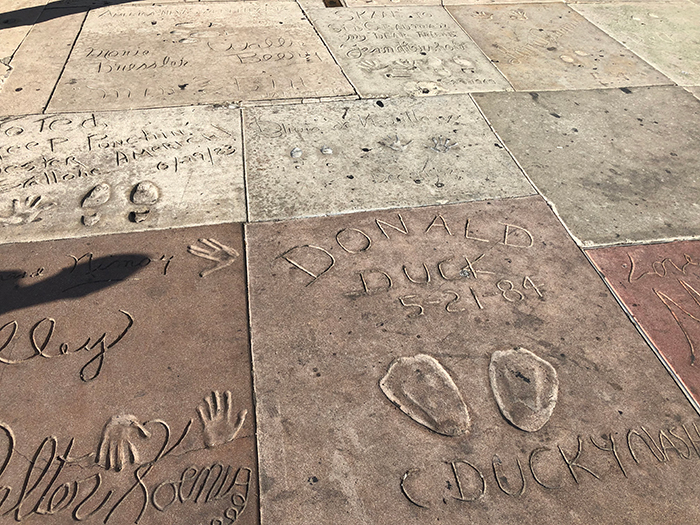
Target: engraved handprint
{"points": [[442, 145], [24, 212], [116, 447], [221, 254], [215, 414], [394, 143]]}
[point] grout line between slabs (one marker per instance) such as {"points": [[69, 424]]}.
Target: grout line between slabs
{"points": [[63, 69], [646, 338]]}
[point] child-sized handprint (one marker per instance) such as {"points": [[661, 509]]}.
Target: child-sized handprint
{"points": [[221, 254], [116, 447], [24, 212], [215, 414]]}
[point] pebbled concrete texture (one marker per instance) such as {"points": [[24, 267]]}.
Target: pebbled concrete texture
{"points": [[618, 165], [335, 157], [552, 47], [663, 34], [387, 324]]}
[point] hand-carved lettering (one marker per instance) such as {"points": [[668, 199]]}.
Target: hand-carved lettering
{"points": [[658, 268], [538, 479], [367, 241], [380, 224], [403, 302], [373, 281], [666, 444], [405, 492], [658, 453], [442, 222], [511, 231], [466, 233], [502, 481], [573, 462], [695, 444], [314, 257], [427, 275], [612, 448], [88, 372], [458, 481], [506, 286], [668, 301]]}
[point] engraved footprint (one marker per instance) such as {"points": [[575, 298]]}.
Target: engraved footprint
{"points": [[423, 390], [525, 387], [95, 198], [144, 194]]}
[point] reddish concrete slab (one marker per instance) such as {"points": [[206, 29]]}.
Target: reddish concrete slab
{"points": [[660, 285], [461, 364], [125, 379]]}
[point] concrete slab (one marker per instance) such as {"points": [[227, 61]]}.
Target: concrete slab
{"points": [[484, 2], [362, 385], [37, 64], [550, 46], [393, 3], [619, 165], [126, 380], [328, 158], [659, 284], [695, 90], [663, 34], [79, 174], [196, 53], [405, 51], [16, 19]]}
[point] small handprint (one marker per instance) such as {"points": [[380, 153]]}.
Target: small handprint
{"points": [[24, 212], [394, 143], [221, 254], [442, 145], [215, 414], [116, 447]]}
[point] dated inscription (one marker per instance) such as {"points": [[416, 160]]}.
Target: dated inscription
{"points": [[454, 284], [65, 175]]}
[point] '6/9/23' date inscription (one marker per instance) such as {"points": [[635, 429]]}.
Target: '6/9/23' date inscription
{"points": [[42, 343]]}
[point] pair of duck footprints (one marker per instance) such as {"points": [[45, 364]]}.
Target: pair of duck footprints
{"points": [[144, 195], [524, 386]]}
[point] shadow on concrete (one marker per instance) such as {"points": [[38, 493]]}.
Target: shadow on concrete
{"points": [[85, 276], [30, 15]]}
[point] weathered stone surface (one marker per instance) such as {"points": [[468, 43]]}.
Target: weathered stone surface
{"points": [[550, 46], [426, 393], [482, 2], [392, 3], [378, 154], [98, 172], [619, 165], [37, 64], [405, 51], [660, 285], [664, 34], [16, 19], [136, 56], [335, 300], [126, 381], [524, 386], [695, 90]]}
